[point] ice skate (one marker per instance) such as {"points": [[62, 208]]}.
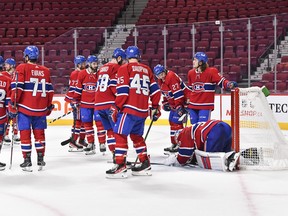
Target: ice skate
{"points": [[102, 147], [6, 140], [143, 169], [118, 171], [90, 149], [2, 166], [27, 164], [172, 149], [74, 147], [40, 161], [82, 142], [232, 160], [16, 139]]}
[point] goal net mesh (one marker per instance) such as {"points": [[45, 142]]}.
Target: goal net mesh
{"points": [[256, 131]]}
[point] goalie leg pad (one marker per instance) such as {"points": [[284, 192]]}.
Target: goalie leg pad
{"points": [[211, 160]]}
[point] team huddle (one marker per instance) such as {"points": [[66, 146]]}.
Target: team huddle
{"points": [[119, 96]]}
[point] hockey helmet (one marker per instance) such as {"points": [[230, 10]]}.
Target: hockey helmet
{"points": [[32, 52], [92, 58], [119, 52], [132, 52], [1, 60], [201, 56], [79, 59], [10, 61], [158, 69]]}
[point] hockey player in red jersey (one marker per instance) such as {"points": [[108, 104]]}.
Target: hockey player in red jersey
{"points": [[84, 97], [10, 65], [31, 100], [77, 143], [202, 81], [106, 93], [5, 88], [174, 93], [210, 142], [1, 63], [135, 85]]}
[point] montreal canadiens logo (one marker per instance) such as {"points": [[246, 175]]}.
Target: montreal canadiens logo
{"points": [[198, 87], [90, 87]]}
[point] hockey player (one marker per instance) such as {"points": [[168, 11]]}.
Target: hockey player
{"points": [[106, 93], [77, 143], [84, 97], [135, 85], [9, 66], [202, 81], [1, 63], [5, 87], [174, 91], [31, 100], [210, 142]]}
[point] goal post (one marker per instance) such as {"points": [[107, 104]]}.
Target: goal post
{"points": [[256, 133]]}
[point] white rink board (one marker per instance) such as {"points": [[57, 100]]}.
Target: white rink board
{"points": [[278, 103]]}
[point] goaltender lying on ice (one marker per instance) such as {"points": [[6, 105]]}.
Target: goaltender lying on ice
{"points": [[208, 143]]}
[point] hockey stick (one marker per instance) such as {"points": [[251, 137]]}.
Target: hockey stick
{"points": [[60, 117], [135, 162], [65, 142], [15, 98]]}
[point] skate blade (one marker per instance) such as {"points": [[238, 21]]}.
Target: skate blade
{"points": [[27, 169], [6, 143], [122, 175], [90, 152], [2, 168], [75, 150], [40, 168], [142, 173]]}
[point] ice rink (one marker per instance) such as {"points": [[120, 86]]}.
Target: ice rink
{"points": [[74, 184]]}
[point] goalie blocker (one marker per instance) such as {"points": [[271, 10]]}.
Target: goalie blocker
{"points": [[210, 142]]}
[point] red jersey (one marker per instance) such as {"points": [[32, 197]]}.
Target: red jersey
{"points": [[135, 85], [203, 86], [34, 89], [5, 90], [106, 86], [6, 73], [72, 84], [173, 89], [194, 137], [85, 89]]}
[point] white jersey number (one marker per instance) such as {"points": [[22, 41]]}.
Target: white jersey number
{"points": [[2, 94], [140, 87], [35, 88], [103, 84]]}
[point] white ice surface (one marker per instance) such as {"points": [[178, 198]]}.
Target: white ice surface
{"points": [[74, 184]]}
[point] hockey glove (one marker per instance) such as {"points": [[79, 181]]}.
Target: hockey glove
{"points": [[171, 160], [166, 107], [74, 105], [12, 111], [231, 85], [49, 109], [113, 112], [180, 110], [154, 113]]}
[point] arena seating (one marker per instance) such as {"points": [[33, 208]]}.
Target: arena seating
{"points": [[51, 24]]}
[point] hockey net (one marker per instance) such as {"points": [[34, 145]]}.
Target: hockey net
{"points": [[256, 133]]}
